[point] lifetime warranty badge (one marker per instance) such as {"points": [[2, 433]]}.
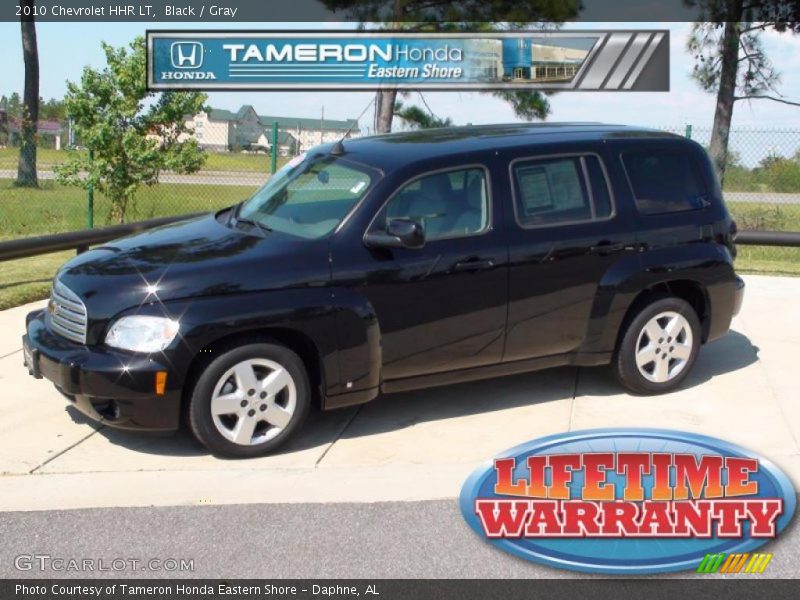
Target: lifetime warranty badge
{"points": [[631, 501], [270, 60]]}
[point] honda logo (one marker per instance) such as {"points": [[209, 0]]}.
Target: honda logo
{"points": [[187, 55]]}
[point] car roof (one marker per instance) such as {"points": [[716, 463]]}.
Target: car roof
{"points": [[394, 150]]}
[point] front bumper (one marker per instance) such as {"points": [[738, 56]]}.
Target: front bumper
{"points": [[115, 388]]}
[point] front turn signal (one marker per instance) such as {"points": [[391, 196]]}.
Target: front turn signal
{"points": [[161, 382]]}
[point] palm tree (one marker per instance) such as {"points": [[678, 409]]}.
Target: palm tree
{"points": [[26, 170], [416, 118]]}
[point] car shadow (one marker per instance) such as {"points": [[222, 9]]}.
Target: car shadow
{"points": [[728, 354], [397, 411], [180, 443]]}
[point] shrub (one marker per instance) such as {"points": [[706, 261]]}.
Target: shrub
{"points": [[762, 217], [784, 176]]}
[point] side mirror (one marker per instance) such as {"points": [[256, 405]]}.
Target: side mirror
{"points": [[400, 233]]}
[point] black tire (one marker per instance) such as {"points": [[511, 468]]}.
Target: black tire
{"points": [[201, 420], [624, 364]]}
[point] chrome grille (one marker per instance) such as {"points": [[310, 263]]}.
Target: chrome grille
{"points": [[67, 313]]}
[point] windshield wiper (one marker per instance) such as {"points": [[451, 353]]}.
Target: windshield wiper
{"points": [[264, 229], [234, 213], [235, 219]]}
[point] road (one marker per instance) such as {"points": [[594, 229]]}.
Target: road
{"points": [[365, 491], [202, 178], [257, 179], [426, 539], [762, 197]]}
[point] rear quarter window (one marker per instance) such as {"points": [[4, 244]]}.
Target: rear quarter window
{"points": [[664, 180]]}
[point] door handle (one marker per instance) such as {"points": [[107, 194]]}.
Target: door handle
{"points": [[473, 265], [607, 248]]}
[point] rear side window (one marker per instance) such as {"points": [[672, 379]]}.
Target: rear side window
{"points": [[552, 191], [664, 181]]}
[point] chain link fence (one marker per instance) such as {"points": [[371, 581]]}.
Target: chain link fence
{"points": [[761, 185], [762, 177], [762, 189], [225, 179]]}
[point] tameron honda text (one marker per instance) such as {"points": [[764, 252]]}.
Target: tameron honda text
{"points": [[627, 501], [271, 59]]}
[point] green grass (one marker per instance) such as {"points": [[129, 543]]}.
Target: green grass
{"points": [[767, 217], [767, 260], [45, 157], [55, 208], [215, 161], [28, 279]]}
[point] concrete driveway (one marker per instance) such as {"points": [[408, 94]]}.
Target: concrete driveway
{"points": [[411, 446]]}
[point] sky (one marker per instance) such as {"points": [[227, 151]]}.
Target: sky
{"points": [[65, 48]]}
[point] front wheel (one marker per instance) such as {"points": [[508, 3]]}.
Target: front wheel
{"points": [[250, 400], [659, 347]]}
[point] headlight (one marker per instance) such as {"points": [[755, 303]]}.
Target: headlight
{"points": [[139, 333]]}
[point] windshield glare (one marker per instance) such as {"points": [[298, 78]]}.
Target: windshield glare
{"points": [[309, 196]]}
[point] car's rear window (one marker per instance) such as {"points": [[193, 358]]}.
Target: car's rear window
{"points": [[664, 180]]}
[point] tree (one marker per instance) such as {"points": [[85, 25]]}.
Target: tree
{"points": [[734, 160], [14, 106], [3, 120], [133, 134], [26, 169], [770, 160], [416, 118], [466, 15], [52, 109], [730, 59]]}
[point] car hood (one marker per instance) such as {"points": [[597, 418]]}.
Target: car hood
{"points": [[198, 257]]}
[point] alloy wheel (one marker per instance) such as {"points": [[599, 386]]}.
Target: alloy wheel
{"points": [[253, 401], [664, 347]]}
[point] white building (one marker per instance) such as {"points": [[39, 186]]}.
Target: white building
{"points": [[222, 130], [555, 62]]}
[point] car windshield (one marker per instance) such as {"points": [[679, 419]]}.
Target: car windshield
{"points": [[309, 196]]}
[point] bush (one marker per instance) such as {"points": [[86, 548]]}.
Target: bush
{"points": [[741, 179], [784, 176], [762, 217]]}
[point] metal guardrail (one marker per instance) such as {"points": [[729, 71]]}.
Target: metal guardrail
{"points": [[769, 238], [81, 240]]}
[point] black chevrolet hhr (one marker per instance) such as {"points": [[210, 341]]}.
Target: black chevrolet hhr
{"points": [[398, 262]]}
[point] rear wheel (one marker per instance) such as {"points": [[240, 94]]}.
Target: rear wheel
{"points": [[659, 347], [250, 400]]}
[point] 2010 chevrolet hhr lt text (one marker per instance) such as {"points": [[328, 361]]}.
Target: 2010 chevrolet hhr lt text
{"points": [[398, 262]]}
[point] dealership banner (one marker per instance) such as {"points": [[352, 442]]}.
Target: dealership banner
{"points": [[283, 60]]}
